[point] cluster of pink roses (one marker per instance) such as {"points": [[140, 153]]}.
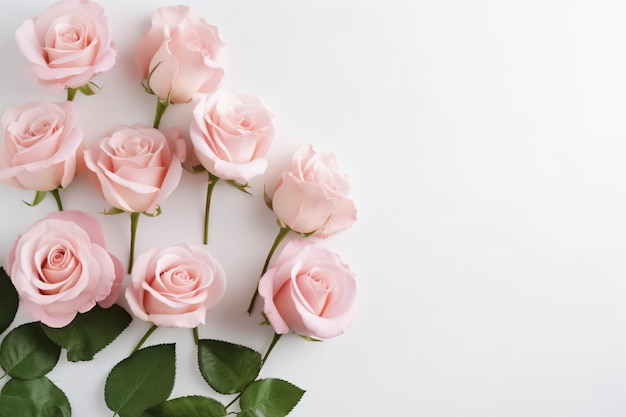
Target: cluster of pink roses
{"points": [[60, 267]]}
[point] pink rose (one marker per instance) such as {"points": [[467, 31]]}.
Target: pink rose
{"points": [[60, 267], [137, 167], [175, 286], [67, 45], [40, 147], [312, 196], [177, 56], [310, 290], [231, 133]]}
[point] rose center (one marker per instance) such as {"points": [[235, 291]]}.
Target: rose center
{"points": [[136, 146], [39, 128], [245, 123], [195, 42], [69, 36], [316, 289], [181, 277]]}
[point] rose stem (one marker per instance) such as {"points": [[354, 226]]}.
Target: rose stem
{"points": [[284, 230], [57, 198], [267, 353], [195, 335], [144, 338], [271, 347], [71, 93], [207, 208], [134, 220], [160, 110]]}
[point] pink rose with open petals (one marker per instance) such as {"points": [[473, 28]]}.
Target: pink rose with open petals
{"points": [[137, 167], [177, 56], [231, 134], [67, 44], [175, 286], [60, 267], [310, 290], [42, 146], [312, 196]]}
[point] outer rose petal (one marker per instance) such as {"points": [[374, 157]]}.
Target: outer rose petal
{"points": [[178, 64], [235, 152], [268, 285], [38, 158], [302, 206], [55, 296], [312, 195], [343, 217], [136, 183], [56, 320], [150, 299], [286, 306], [98, 53]]}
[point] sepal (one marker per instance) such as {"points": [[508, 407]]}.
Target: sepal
{"points": [[89, 89], [239, 186], [112, 211], [39, 196]]}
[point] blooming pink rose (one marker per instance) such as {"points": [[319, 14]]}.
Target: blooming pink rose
{"points": [[41, 146], [67, 45], [137, 167], [310, 290], [178, 55], [175, 286], [60, 267], [312, 196], [231, 133]]}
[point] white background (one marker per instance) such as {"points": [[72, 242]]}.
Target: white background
{"points": [[485, 142]]}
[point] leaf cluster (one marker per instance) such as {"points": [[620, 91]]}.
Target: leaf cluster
{"points": [[139, 386], [30, 351]]}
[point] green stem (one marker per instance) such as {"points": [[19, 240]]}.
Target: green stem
{"points": [[271, 347], [267, 353], [284, 231], [160, 110], [57, 198], [144, 338], [134, 220], [207, 207], [195, 336], [71, 93]]}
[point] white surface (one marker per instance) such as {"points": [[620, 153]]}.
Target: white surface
{"points": [[485, 142]]}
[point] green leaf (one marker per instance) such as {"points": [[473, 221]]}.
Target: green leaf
{"points": [[192, 406], [90, 332], [269, 397], [27, 353], [39, 196], [227, 367], [9, 301], [144, 379], [34, 398]]}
